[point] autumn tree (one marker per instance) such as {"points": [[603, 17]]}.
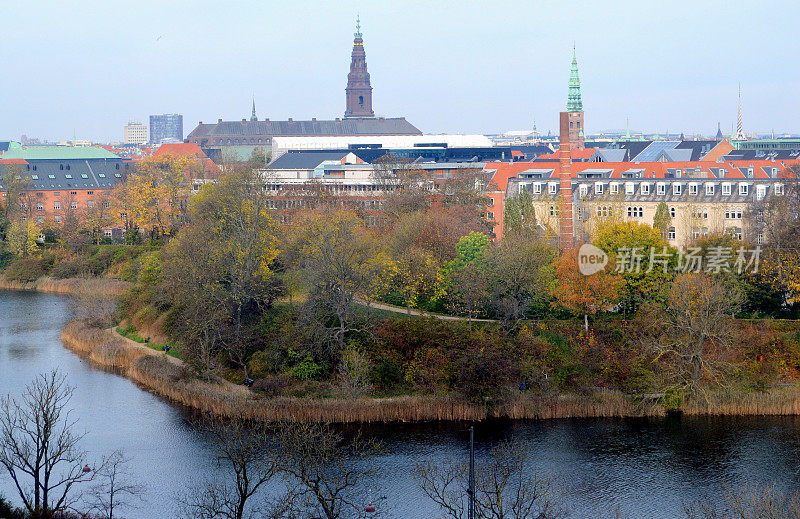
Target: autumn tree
{"points": [[582, 294], [645, 261], [22, 236], [696, 321], [415, 273], [153, 197], [344, 268], [219, 270]]}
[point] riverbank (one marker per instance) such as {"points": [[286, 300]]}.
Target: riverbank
{"points": [[172, 379], [103, 287]]}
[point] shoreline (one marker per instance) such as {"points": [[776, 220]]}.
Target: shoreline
{"points": [[106, 287], [171, 378]]}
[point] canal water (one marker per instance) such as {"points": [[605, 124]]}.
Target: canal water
{"points": [[644, 468]]}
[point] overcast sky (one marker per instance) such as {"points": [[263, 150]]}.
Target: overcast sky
{"points": [[448, 66]]}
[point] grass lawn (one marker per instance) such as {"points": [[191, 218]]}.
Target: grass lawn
{"points": [[130, 333]]}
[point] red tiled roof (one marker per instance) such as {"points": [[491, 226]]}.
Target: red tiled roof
{"points": [[12, 161], [574, 153], [183, 149]]}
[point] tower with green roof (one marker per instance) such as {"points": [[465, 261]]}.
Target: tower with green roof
{"points": [[575, 106]]}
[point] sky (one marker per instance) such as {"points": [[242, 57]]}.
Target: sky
{"points": [[87, 68]]}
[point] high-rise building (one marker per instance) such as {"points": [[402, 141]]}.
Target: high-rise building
{"points": [[359, 90], [166, 127], [575, 106], [135, 133]]}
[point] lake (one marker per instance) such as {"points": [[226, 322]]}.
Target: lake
{"points": [[647, 468]]}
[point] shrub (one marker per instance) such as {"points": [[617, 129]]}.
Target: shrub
{"points": [[308, 369], [385, 374], [271, 386], [481, 376], [25, 270]]}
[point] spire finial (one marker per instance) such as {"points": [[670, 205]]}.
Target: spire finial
{"points": [[574, 103], [357, 34], [253, 117]]}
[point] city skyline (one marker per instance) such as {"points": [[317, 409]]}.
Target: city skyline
{"points": [[295, 59]]}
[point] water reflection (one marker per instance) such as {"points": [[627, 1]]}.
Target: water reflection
{"points": [[647, 468]]}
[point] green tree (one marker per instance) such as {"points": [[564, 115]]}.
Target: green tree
{"points": [[519, 217], [662, 220]]}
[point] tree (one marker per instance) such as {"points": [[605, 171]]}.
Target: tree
{"points": [[696, 320], [115, 491], [326, 472], [584, 295], [219, 270], [503, 487], [521, 274], [519, 216], [39, 448], [415, 275], [22, 237], [646, 262], [749, 502], [344, 265], [246, 462], [469, 291], [662, 221]]}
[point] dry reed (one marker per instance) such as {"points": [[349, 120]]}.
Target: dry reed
{"points": [[104, 287]]}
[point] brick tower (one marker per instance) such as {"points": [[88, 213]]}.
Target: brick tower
{"points": [[358, 91], [575, 106], [566, 235]]}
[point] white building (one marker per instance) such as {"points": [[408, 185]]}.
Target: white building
{"points": [[281, 145], [135, 133]]}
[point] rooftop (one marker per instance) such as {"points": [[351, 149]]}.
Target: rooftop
{"points": [[18, 151]]}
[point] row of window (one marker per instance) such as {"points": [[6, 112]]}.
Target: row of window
{"points": [[661, 188]]}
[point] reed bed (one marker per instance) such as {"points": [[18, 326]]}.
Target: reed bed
{"points": [[172, 379], [103, 287]]}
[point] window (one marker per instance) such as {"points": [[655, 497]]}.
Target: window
{"points": [[598, 188], [51, 177], [629, 188], [90, 203], [68, 176], [744, 189], [709, 189], [635, 212], [583, 190], [604, 211], [56, 205], [733, 214], [40, 219], [90, 192], [35, 177], [57, 218], [671, 234], [73, 192], [779, 189], [726, 189], [39, 206], [61, 166], [102, 175], [552, 188], [57, 193], [693, 189], [613, 188], [84, 176], [677, 189], [645, 189], [536, 188], [73, 205], [553, 210], [761, 192], [661, 188], [106, 204], [672, 212]]}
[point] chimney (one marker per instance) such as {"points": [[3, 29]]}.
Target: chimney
{"points": [[219, 121], [313, 119], [290, 120], [566, 236], [266, 119], [201, 122], [244, 120]]}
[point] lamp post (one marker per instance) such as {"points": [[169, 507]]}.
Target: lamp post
{"points": [[471, 489]]}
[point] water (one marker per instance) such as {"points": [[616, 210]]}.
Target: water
{"points": [[644, 467]]}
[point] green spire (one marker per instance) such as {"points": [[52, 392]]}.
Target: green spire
{"points": [[357, 34], [574, 103]]}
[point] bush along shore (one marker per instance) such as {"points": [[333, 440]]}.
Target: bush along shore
{"points": [[173, 379]]}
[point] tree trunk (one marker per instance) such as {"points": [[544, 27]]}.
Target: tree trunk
{"points": [[586, 322]]}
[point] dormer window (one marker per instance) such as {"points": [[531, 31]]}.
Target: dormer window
{"points": [[598, 188], [645, 189], [744, 189], [613, 188], [630, 188], [779, 189], [693, 189], [661, 188], [726, 189], [583, 190], [709, 189], [552, 188], [677, 189]]}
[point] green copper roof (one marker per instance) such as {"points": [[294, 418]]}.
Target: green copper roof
{"points": [[18, 151], [357, 34], [574, 103]]}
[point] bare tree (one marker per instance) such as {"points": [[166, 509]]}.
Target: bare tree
{"points": [[245, 465], [115, 490], [503, 489], [39, 447], [325, 472]]}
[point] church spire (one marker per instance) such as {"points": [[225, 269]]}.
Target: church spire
{"points": [[739, 129], [253, 117], [359, 91], [574, 103]]}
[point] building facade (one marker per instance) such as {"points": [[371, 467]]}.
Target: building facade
{"points": [[166, 128], [135, 133]]}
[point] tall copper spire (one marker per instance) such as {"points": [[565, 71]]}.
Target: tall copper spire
{"points": [[358, 91]]}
